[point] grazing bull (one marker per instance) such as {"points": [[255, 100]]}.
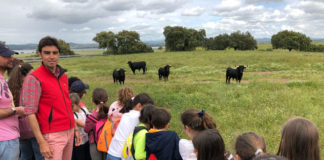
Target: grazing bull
{"points": [[119, 76], [137, 65], [164, 72], [234, 73]]}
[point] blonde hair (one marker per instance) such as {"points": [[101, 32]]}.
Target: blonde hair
{"points": [[124, 95]]}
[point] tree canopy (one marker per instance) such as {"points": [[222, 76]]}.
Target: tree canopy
{"points": [[121, 43], [291, 40], [179, 38], [3, 42], [65, 48]]}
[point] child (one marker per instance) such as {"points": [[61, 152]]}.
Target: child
{"points": [[299, 140], [77, 86], [194, 121], [130, 119], [161, 143], [124, 94], [99, 98], [249, 145], [81, 152], [139, 137], [209, 145]]}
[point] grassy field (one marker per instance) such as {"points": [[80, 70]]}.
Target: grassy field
{"points": [[276, 86]]}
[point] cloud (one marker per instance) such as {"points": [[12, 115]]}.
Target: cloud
{"points": [[82, 29], [197, 11], [264, 1]]}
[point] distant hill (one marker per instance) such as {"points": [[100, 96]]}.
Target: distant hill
{"points": [[34, 46]]}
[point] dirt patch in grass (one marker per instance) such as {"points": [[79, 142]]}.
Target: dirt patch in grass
{"points": [[265, 72]]}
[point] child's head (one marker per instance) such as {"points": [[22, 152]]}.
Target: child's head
{"points": [[269, 157], [124, 95], [146, 114], [139, 100], [100, 98], [299, 140], [160, 118], [75, 100], [77, 86], [195, 121], [209, 144], [248, 145]]}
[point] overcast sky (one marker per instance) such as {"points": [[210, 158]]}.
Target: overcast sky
{"points": [[26, 21]]}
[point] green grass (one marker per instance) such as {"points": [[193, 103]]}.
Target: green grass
{"points": [[276, 86]]}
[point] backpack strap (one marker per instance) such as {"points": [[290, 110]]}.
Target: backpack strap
{"points": [[85, 113], [76, 115], [136, 130]]}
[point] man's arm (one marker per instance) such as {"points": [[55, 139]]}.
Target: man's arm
{"points": [[7, 112], [44, 147]]}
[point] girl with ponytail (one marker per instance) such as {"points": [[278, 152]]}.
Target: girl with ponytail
{"points": [[99, 113], [194, 122], [249, 145], [130, 119]]}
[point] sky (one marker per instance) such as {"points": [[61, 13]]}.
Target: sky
{"points": [[78, 21]]}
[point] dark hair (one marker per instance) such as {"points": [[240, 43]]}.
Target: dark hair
{"points": [[142, 98], [75, 99], [71, 80], [197, 120], [210, 145], [160, 118], [146, 114], [48, 41], [100, 97], [299, 140], [16, 79], [269, 157], [248, 145]]}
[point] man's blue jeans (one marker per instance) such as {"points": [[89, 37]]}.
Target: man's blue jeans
{"points": [[9, 149], [28, 148]]}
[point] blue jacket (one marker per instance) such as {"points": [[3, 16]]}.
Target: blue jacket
{"points": [[163, 144]]}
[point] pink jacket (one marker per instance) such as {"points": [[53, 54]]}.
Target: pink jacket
{"points": [[114, 109]]}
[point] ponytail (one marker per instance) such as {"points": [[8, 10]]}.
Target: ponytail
{"points": [[197, 120], [103, 111], [142, 98]]}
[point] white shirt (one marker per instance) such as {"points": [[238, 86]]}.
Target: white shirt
{"points": [[186, 150], [82, 116], [126, 126]]}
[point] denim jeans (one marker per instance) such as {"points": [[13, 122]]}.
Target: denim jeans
{"points": [[110, 157], [9, 149], [28, 148]]}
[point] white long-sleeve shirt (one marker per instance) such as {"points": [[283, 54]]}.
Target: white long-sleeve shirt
{"points": [[126, 126]]}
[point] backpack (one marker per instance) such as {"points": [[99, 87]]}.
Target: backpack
{"points": [[128, 149], [107, 133], [99, 126]]}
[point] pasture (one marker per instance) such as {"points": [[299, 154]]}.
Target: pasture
{"points": [[276, 86]]}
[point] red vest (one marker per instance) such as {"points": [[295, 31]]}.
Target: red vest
{"points": [[55, 108]]}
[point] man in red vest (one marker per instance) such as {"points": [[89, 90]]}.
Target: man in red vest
{"points": [[45, 96]]}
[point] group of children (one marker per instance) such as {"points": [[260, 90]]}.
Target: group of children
{"points": [[141, 132]]}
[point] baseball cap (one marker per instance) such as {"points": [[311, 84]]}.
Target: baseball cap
{"points": [[5, 51], [78, 86]]}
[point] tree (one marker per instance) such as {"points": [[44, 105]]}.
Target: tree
{"points": [[107, 40], [3, 42], [179, 38], [242, 41], [291, 40], [65, 48], [123, 42], [219, 42]]}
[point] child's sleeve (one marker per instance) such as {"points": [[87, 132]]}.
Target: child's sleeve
{"points": [[139, 145]]}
